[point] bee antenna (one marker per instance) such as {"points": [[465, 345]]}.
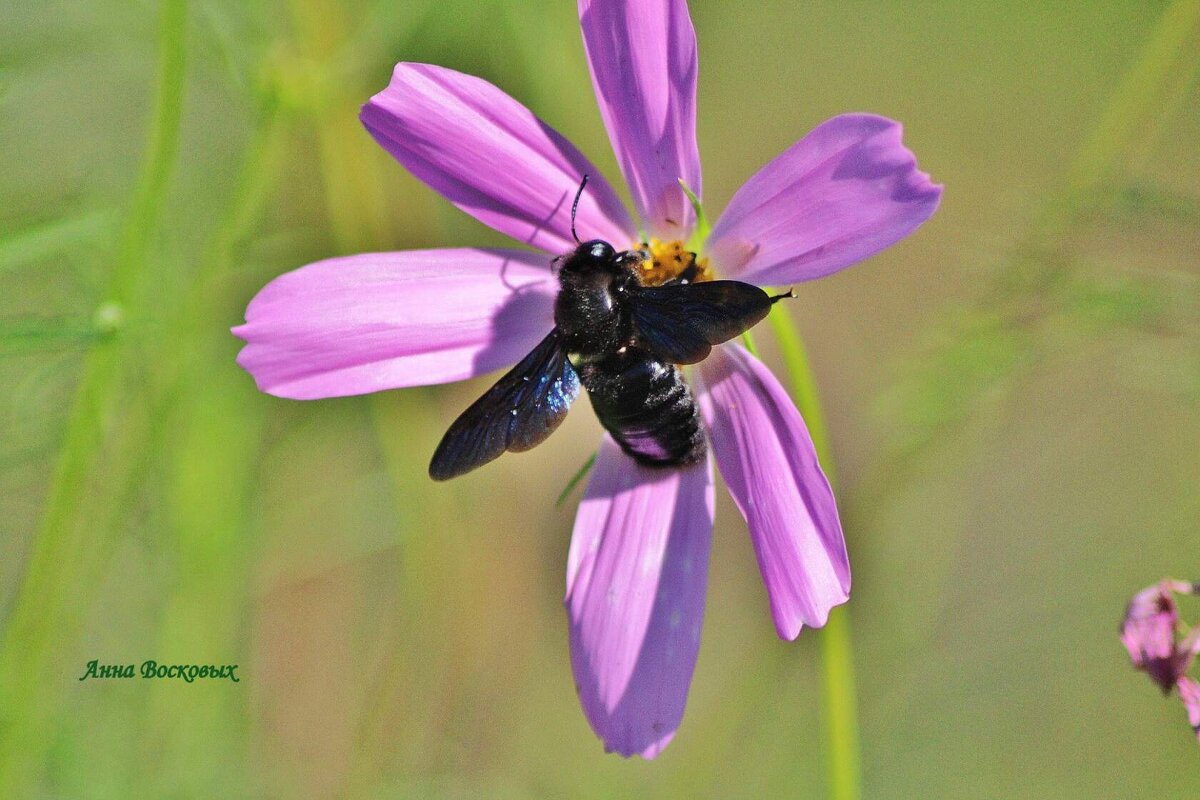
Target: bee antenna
{"points": [[575, 207], [789, 294]]}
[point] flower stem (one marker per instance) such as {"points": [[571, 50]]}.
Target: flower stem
{"points": [[804, 388], [1146, 95], [575, 479], [60, 572], [748, 341], [839, 718]]}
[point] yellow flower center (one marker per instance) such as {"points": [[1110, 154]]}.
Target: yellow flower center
{"points": [[669, 260]]}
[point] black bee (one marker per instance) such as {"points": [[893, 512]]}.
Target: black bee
{"points": [[622, 341]]}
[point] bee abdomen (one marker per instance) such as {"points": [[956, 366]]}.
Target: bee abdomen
{"points": [[647, 407]]}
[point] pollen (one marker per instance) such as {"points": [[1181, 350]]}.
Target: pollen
{"points": [[667, 261]]}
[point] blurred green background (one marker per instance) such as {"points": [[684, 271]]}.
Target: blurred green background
{"points": [[1012, 396]]}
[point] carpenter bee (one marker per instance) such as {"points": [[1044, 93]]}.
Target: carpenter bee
{"points": [[622, 341]]}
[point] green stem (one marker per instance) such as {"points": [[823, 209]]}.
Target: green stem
{"points": [[1148, 94], [215, 450], [49, 238], [575, 479], [51, 601], [839, 720], [360, 219], [748, 341], [1137, 104], [804, 388]]}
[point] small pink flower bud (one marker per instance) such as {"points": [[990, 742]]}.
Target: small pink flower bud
{"points": [[1154, 637]]}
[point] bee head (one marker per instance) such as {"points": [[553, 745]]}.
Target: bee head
{"points": [[591, 277], [592, 262], [597, 251]]}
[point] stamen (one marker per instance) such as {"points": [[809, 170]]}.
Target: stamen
{"points": [[668, 261]]}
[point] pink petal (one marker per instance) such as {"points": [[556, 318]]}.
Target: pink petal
{"points": [[642, 55], [491, 157], [1148, 633], [1189, 690], [1148, 630], [768, 462], [377, 321], [636, 577], [843, 193]]}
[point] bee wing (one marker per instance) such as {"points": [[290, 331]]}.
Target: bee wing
{"points": [[516, 414], [680, 322]]}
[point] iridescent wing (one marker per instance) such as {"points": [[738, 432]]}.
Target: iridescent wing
{"points": [[516, 414], [680, 322]]}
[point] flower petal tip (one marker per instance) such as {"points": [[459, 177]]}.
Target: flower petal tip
{"points": [[789, 627], [636, 574], [644, 65], [375, 321], [492, 157], [770, 466], [625, 749], [1189, 692], [844, 192], [888, 158]]}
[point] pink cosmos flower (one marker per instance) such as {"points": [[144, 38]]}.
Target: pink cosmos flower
{"points": [[638, 563], [1149, 632]]}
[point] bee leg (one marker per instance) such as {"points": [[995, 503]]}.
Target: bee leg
{"points": [[687, 276]]}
